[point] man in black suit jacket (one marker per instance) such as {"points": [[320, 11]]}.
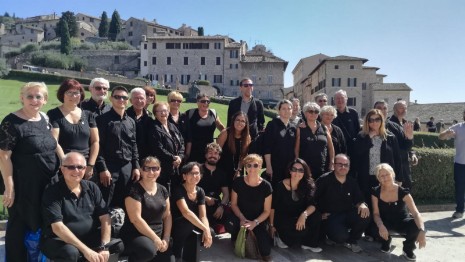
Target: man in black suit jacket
{"points": [[250, 105]]}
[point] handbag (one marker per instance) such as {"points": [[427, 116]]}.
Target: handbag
{"points": [[251, 246], [239, 246]]}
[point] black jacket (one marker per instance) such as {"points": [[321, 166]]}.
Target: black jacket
{"points": [[255, 114]]}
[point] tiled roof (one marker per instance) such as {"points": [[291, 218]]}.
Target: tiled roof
{"points": [[261, 58], [445, 111], [391, 86]]}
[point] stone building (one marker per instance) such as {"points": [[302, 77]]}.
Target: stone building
{"points": [[180, 60], [121, 62], [301, 72], [22, 34], [362, 83]]}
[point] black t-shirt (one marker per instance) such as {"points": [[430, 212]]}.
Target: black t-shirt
{"points": [[314, 149], [250, 200], [200, 133], [181, 193], [153, 208], [392, 212], [212, 182], [73, 137], [80, 214], [286, 208]]}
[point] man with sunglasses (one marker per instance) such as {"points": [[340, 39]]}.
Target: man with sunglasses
{"points": [[249, 105], [98, 89], [118, 159], [339, 199], [70, 208]]}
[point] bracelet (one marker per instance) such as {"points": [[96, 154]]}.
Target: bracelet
{"points": [[90, 165], [305, 214]]}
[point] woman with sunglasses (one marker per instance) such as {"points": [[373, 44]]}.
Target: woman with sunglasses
{"points": [[313, 143], [375, 145], [251, 203], [189, 211], [27, 163], [234, 141], [176, 117], [200, 127], [147, 229], [75, 129], [166, 143], [293, 214]]}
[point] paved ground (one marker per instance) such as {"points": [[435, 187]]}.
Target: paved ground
{"points": [[445, 242]]}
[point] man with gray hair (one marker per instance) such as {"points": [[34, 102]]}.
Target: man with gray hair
{"points": [[98, 89], [142, 117], [321, 99]]}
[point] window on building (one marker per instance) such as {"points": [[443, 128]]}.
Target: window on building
{"points": [[130, 42], [351, 82], [234, 54], [270, 79], [145, 46], [232, 82], [352, 101], [156, 77], [154, 45], [218, 60], [116, 60], [336, 67], [364, 86], [173, 45], [217, 79], [154, 60], [145, 63], [168, 60], [186, 60], [202, 60], [237, 66], [352, 67], [130, 33], [91, 20], [336, 81], [217, 45], [130, 23]]}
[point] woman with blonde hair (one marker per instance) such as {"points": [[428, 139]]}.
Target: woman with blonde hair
{"points": [[395, 210]]}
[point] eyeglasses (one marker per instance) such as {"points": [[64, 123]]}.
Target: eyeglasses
{"points": [[298, 170], [247, 85], [341, 165], [38, 97], [151, 95], [175, 101], [372, 120], [100, 88], [151, 168], [73, 93], [255, 165], [204, 101], [73, 167], [162, 111], [240, 121], [321, 101], [313, 111], [117, 97]]}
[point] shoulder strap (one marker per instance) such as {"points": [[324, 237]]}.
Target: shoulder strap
{"points": [[214, 112], [190, 113]]}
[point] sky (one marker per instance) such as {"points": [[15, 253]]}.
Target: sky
{"points": [[417, 42]]}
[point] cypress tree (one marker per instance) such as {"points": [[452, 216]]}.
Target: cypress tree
{"points": [[65, 39], [115, 26], [103, 27]]}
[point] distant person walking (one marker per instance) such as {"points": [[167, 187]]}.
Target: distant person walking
{"points": [[457, 131], [430, 125], [439, 125]]}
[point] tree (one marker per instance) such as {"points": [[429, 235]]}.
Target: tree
{"points": [[103, 27], [3, 68], [115, 26], [65, 39], [70, 19], [200, 31], [6, 14]]}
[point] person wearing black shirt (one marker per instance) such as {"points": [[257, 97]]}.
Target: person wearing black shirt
{"points": [[342, 205], [73, 209], [118, 158], [347, 120], [214, 184], [249, 105], [143, 119], [98, 89]]}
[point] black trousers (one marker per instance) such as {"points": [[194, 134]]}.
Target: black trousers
{"points": [[346, 226], [181, 233], [407, 227], [262, 235], [16, 229], [115, 193], [142, 249], [308, 237]]}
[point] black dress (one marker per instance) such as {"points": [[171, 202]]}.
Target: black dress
{"points": [[34, 164], [314, 149], [200, 133], [229, 161], [73, 137]]}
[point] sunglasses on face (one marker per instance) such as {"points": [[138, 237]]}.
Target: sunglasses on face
{"points": [[372, 120], [247, 85], [341, 165], [100, 88], [204, 101], [117, 97], [38, 97], [151, 168], [74, 167], [175, 101], [298, 170], [313, 111], [73, 93], [321, 101], [252, 165]]}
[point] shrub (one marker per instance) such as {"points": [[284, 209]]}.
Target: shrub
{"points": [[114, 46], [203, 82], [12, 53], [29, 48], [433, 176], [427, 139], [50, 46], [3, 68]]}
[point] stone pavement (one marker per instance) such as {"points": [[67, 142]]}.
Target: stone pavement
{"points": [[445, 242]]}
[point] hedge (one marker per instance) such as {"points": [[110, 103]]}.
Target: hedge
{"points": [[433, 176], [427, 139]]}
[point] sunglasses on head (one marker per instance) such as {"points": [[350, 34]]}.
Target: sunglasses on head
{"points": [[372, 120], [117, 97], [298, 170], [205, 101], [74, 167], [247, 85], [252, 165], [151, 168]]}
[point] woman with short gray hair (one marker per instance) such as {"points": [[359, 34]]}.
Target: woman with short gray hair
{"points": [[327, 115]]}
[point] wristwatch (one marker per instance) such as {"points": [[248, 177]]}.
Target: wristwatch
{"points": [[424, 230], [257, 222], [102, 247]]}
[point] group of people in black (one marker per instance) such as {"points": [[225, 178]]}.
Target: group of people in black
{"points": [[324, 179]]}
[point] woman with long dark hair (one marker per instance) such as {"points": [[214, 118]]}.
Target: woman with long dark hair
{"points": [[234, 141], [293, 214]]}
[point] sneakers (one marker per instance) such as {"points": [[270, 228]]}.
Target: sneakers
{"points": [[313, 249], [354, 247], [409, 255], [279, 243], [386, 245], [368, 238], [457, 215], [329, 242]]}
